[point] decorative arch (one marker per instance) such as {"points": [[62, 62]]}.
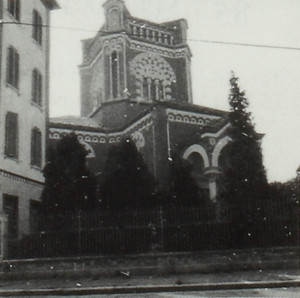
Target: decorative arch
{"points": [[198, 149], [217, 150], [89, 149], [154, 76]]}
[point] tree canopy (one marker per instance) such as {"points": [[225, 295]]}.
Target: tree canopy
{"points": [[69, 185], [183, 188], [127, 181]]}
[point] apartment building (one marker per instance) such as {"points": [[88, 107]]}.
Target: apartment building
{"points": [[24, 95]]}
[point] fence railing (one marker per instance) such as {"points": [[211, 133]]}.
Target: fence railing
{"points": [[163, 230]]}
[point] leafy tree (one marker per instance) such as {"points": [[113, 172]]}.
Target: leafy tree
{"points": [[244, 174], [127, 182], [284, 198], [69, 185]]}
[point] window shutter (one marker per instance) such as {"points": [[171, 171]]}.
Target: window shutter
{"points": [[16, 67], [11, 135], [36, 147]]}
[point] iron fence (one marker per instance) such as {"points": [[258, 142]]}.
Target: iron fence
{"points": [[159, 230]]}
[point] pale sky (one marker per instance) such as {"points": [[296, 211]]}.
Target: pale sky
{"points": [[270, 77]]}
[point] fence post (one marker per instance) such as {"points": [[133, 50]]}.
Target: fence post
{"points": [[161, 219], [79, 232]]}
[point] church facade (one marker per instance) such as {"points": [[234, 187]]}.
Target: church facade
{"points": [[136, 82]]}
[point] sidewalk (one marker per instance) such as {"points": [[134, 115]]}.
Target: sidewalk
{"points": [[127, 283]]}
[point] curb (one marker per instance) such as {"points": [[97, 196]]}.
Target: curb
{"points": [[149, 270], [152, 289]]}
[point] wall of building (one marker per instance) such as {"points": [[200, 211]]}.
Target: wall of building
{"points": [[25, 191], [92, 85], [18, 178], [31, 55]]}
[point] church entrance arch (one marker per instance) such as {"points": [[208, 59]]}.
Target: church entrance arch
{"points": [[197, 149], [223, 164], [196, 155], [217, 150]]}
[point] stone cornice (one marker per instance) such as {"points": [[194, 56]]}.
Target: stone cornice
{"points": [[20, 178]]}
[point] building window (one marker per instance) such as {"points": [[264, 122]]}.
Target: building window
{"points": [[37, 87], [36, 147], [114, 70], [11, 135], [14, 8], [37, 33], [12, 76], [10, 208], [153, 89]]}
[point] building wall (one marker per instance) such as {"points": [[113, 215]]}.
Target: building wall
{"points": [[26, 191], [32, 55], [92, 86]]}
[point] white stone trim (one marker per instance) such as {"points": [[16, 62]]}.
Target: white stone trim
{"points": [[218, 133], [198, 149], [160, 50], [89, 149], [102, 138], [217, 150], [189, 117], [212, 190], [93, 62]]}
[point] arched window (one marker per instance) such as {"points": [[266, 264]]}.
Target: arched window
{"points": [[114, 19], [145, 88], [153, 94], [114, 72], [155, 76]]}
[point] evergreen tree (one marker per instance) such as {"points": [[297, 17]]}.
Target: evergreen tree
{"points": [[69, 185], [244, 178], [127, 182], [244, 174]]}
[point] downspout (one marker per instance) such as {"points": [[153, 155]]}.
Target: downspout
{"points": [[1, 51]]}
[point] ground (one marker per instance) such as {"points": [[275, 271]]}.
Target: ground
{"points": [[280, 292]]}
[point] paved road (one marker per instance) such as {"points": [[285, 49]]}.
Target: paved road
{"points": [[280, 292]]}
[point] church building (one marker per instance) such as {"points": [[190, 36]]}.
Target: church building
{"points": [[136, 82]]}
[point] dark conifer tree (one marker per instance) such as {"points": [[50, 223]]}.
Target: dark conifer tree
{"points": [[69, 185], [127, 182], [244, 178], [244, 173]]}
